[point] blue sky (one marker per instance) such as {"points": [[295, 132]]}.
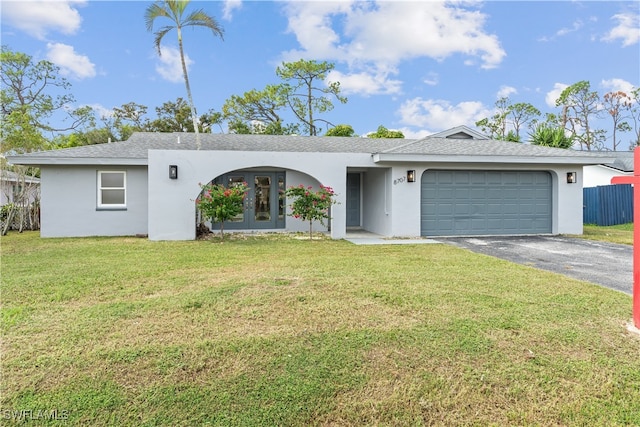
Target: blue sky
{"points": [[420, 67]]}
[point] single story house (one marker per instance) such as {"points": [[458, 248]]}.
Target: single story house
{"points": [[456, 182], [18, 188], [601, 174]]}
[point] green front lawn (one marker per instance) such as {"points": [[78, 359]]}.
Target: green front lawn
{"points": [[275, 330]]}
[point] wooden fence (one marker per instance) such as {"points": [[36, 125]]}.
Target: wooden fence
{"points": [[608, 204]]}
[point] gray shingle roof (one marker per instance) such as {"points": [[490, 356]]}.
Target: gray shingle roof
{"points": [[135, 149], [623, 161], [138, 145], [480, 147], [10, 176]]}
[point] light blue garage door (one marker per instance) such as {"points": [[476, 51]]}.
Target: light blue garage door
{"points": [[468, 203]]}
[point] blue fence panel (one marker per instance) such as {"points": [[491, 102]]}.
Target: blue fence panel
{"points": [[608, 204], [591, 202]]}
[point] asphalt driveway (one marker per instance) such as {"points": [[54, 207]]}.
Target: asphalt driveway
{"points": [[606, 264]]}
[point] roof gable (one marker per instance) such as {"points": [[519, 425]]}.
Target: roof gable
{"points": [[459, 132]]}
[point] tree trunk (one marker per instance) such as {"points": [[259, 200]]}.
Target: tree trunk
{"points": [[21, 219], [194, 114], [10, 215]]}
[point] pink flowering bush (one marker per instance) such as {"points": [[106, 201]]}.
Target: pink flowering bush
{"points": [[219, 203], [310, 205]]}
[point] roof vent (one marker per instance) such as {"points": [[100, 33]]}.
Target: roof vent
{"points": [[178, 139]]}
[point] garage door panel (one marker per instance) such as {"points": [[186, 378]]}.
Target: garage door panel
{"points": [[508, 209], [485, 202]]}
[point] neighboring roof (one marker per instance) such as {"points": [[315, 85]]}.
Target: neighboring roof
{"points": [[15, 177], [623, 161], [436, 147]]}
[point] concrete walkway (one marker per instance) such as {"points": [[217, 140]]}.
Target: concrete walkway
{"points": [[361, 237]]}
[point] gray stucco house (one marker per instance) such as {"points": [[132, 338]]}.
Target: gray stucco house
{"points": [[456, 182]]}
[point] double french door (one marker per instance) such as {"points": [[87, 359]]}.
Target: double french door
{"points": [[264, 206]]}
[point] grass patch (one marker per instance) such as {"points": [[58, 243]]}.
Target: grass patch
{"points": [[262, 330], [622, 233]]}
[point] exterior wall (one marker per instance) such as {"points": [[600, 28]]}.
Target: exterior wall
{"points": [[69, 203], [596, 175], [567, 216], [6, 192], [391, 204], [172, 202], [405, 220]]}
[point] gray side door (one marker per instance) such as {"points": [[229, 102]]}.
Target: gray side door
{"points": [[353, 200]]}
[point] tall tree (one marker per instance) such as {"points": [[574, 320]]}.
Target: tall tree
{"points": [[127, 119], [341, 130], [496, 126], [508, 116], [618, 105], [634, 113], [174, 11], [383, 132], [258, 112], [521, 114], [304, 93], [31, 94], [580, 106], [176, 117]]}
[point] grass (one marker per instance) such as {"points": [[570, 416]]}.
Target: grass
{"points": [[272, 330], [622, 233]]}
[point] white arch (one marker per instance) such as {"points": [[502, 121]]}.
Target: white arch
{"points": [[171, 202]]}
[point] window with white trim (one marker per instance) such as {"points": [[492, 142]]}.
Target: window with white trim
{"points": [[112, 189]]}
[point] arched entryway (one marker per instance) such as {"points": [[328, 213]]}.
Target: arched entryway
{"points": [[264, 206]]}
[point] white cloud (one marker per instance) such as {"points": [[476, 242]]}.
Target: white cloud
{"points": [[37, 18], [389, 32], [101, 111], [505, 91], [431, 79], [229, 7], [169, 66], [574, 27], [311, 24], [373, 37], [365, 84], [615, 85], [70, 62], [628, 29], [439, 114], [413, 134], [553, 95]]}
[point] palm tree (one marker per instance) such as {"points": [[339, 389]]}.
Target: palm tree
{"points": [[174, 10]]}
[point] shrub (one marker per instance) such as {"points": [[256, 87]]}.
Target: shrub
{"points": [[219, 203], [309, 205]]}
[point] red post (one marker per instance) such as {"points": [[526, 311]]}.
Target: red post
{"points": [[635, 180]]}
